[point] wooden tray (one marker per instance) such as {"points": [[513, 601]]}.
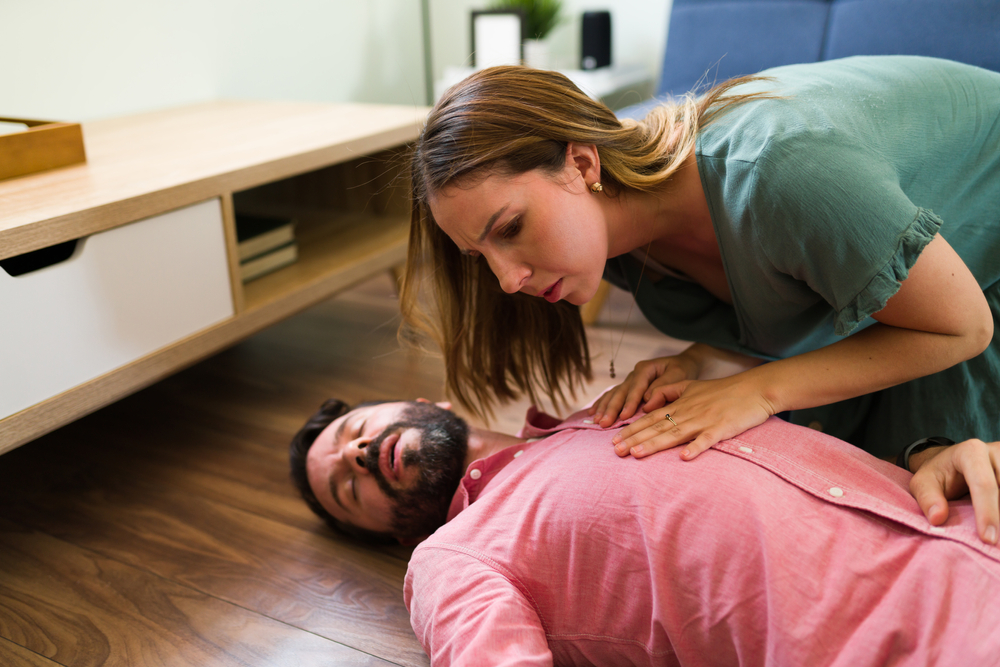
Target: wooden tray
{"points": [[44, 145]]}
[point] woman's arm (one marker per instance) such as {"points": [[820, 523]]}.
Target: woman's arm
{"points": [[938, 318]]}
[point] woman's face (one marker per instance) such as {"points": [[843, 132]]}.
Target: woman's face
{"points": [[542, 234]]}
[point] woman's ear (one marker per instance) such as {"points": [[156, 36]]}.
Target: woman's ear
{"points": [[584, 160]]}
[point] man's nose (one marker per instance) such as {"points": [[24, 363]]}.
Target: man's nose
{"points": [[355, 455]]}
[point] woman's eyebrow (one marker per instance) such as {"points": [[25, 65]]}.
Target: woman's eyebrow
{"points": [[491, 222]]}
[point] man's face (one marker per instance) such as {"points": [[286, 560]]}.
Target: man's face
{"points": [[389, 468]]}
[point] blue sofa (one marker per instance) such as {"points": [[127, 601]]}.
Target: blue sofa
{"points": [[710, 41]]}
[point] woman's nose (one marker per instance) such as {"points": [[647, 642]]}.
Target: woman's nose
{"points": [[512, 275]]}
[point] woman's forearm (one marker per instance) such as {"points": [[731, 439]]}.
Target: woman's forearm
{"points": [[938, 318], [876, 358]]}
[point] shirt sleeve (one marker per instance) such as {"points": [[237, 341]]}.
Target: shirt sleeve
{"points": [[832, 213], [465, 612]]}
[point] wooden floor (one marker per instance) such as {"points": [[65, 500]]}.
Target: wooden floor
{"points": [[163, 530]]}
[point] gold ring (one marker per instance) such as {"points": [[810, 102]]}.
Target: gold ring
{"points": [[671, 420]]}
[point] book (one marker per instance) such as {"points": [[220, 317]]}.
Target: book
{"points": [[257, 234], [269, 261]]}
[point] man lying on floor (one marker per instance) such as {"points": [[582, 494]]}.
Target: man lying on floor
{"points": [[782, 546]]}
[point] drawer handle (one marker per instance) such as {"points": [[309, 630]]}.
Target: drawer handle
{"points": [[39, 259]]}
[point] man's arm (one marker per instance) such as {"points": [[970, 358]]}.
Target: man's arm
{"points": [[466, 613]]}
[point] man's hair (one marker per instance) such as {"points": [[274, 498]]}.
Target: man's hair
{"points": [[329, 412]]}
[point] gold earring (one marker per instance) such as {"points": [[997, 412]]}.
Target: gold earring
{"points": [[596, 187]]}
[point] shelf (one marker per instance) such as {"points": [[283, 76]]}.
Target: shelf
{"points": [[353, 243], [144, 165]]}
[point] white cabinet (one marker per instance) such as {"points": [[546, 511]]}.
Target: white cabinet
{"points": [[124, 293]]}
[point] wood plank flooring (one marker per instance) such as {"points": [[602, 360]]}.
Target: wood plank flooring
{"points": [[163, 530]]}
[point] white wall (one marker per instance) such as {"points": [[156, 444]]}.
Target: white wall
{"points": [[79, 60], [86, 59], [638, 32]]}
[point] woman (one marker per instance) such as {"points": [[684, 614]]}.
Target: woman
{"points": [[771, 218]]}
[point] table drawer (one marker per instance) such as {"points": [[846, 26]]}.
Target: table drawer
{"points": [[121, 295]]}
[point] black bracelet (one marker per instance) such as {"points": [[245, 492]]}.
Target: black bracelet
{"points": [[903, 460]]}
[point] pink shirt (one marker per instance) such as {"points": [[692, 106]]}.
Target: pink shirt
{"points": [[780, 547]]}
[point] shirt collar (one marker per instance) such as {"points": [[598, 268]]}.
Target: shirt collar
{"points": [[537, 426]]}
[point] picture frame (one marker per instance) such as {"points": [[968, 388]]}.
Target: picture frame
{"points": [[497, 37]]}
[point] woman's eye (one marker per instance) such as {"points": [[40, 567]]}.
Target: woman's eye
{"points": [[511, 230]]}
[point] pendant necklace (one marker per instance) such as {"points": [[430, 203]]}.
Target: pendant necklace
{"points": [[635, 292]]}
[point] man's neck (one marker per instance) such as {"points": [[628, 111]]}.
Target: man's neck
{"points": [[483, 443]]}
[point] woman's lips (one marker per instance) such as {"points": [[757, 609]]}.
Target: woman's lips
{"points": [[552, 293]]}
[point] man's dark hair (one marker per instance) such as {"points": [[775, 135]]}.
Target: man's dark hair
{"points": [[329, 412]]}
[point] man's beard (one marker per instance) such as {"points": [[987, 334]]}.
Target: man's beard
{"points": [[440, 461]]}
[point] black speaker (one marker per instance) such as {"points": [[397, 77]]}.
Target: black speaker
{"points": [[595, 40]]}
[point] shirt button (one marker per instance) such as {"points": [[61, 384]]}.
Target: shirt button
{"points": [[836, 492], [816, 426], [517, 453], [588, 421], [746, 450], [476, 473]]}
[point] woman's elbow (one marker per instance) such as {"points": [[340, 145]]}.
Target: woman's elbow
{"points": [[983, 335], [978, 333]]}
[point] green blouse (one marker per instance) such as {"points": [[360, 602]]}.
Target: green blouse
{"points": [[822, 198]]}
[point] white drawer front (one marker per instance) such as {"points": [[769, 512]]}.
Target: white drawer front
{"points": [[124, 293]]}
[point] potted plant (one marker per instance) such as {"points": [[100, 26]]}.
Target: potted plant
{"points": [[540, 17]]}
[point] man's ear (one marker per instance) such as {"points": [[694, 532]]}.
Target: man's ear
{"points": [[445, 405], [585, 160]]}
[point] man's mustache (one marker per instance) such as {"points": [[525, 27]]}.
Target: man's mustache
{"points": [[372, 450]]}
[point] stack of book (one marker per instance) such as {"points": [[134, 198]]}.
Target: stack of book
{"points": [[265, 244]]}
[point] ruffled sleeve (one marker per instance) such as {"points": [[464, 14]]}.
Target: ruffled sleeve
{"points": [[831, 217], [887, 281]]}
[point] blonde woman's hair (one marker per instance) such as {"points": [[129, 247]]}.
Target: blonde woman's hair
{"points": [[510, 120]]}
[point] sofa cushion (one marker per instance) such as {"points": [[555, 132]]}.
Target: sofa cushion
{"points": [[964, 30], [710, 41]]}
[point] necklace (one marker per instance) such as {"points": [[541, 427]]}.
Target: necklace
{"points": [[635, 292]]}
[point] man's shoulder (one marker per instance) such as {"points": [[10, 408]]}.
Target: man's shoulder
{"points": [[457, 546]]}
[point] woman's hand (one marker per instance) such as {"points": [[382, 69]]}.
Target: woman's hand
{"points": [[643, 386], [971, 467], [701, 414]]}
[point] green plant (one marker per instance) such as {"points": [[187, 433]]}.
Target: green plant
{"points": [[540, 16]]}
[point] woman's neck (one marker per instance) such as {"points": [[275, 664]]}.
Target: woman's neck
{"points": [[675, 217]]}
